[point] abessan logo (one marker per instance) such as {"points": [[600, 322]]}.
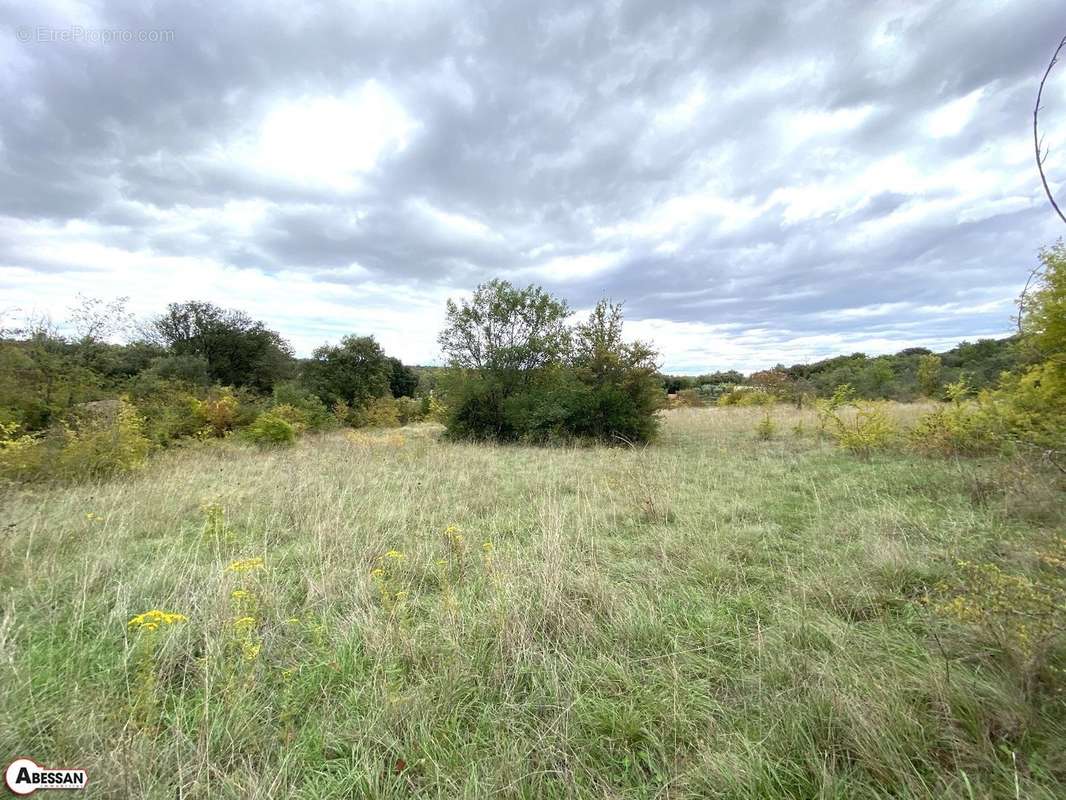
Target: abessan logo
{"points": [[24, 776]]}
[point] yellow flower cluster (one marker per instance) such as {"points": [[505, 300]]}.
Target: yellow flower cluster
{"points": [[153, 620], [245, 565]]}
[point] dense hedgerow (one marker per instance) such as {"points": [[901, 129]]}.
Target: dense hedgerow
{"points": [[518, 372]]}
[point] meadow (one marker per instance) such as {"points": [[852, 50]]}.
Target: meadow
{"points": [[389, 614]]}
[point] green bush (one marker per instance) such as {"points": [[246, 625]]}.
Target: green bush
{"points": [[409, 410], [381, 412], [271, 430], [307, 409], [868, 430], [765, 429], [104, 443], [296, 417], [100, 440], [746, 396]]}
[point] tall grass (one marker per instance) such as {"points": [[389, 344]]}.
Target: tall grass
{"points": [[712, 616]]}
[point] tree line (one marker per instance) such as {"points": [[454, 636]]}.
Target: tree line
{"points": [[911, 374]]}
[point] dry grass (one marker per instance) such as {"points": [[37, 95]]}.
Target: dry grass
{"points": [[712, 616]]}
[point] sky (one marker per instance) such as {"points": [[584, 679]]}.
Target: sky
{"points": [[758, 182]]}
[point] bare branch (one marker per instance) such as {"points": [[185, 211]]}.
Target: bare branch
{"points": [[1036, 133]]}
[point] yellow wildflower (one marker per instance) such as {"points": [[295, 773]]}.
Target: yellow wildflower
{"points": [[245, 564], [151, 620], [394, 554], [244, 623]]}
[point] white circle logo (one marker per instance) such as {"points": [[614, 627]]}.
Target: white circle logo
{"points": [[25, 776]]}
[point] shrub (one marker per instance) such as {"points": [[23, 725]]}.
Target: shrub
{"points": [[21, 456], [270, 429], [865, 429], [968, 428], [746, 396], [409, 410], [172, 415], [868, 429], [382, 412], [306, 409], [545, 381], [433, 410], [296, 417], [99, 440], [765, 429], [219, 411], [103, 442]]}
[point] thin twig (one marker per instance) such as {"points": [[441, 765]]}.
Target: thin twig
{"points": [[1036, 135]]}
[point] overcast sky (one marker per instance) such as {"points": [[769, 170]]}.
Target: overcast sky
{"points": [[759, 182]]}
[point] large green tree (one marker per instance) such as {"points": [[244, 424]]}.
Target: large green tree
{"points": [[403, 381], [506, 331], [354, 371], [239, 350]]}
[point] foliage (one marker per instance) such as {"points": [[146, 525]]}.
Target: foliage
{"points": [[271, 429], [861, 428], [355, 371], [929, 369], [900, 376], [746, 396], [962, 428], [403, 381], [1022, 614], [766, 428], [239, 351], [313, 414], [867, 430], [506, 332], [102, 439], [586, 382], [381, 412], [219, 411]]}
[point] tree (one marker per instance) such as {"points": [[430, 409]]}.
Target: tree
{"points": [[355, 371], [518, 371], [507, 332], [403, 381], [929, 380], [622, 391], [239, 351]]}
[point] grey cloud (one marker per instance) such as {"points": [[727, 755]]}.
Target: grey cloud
{"points": [[542, 122]]}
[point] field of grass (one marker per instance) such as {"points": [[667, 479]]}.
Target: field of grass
{"points": [[712, 616]]}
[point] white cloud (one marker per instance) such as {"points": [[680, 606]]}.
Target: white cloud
{"points": [[327, 140]]}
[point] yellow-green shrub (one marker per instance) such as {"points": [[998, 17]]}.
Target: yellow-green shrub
{"points": [[862, 431], [21, 456], [220, 411], [746, 396], [966, 428], [270, 429], [381, 412], [296, 417], [867, 430], [765, 429], [101, 445]]}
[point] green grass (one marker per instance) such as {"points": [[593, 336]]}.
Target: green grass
{"points": [[712, 616]]}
